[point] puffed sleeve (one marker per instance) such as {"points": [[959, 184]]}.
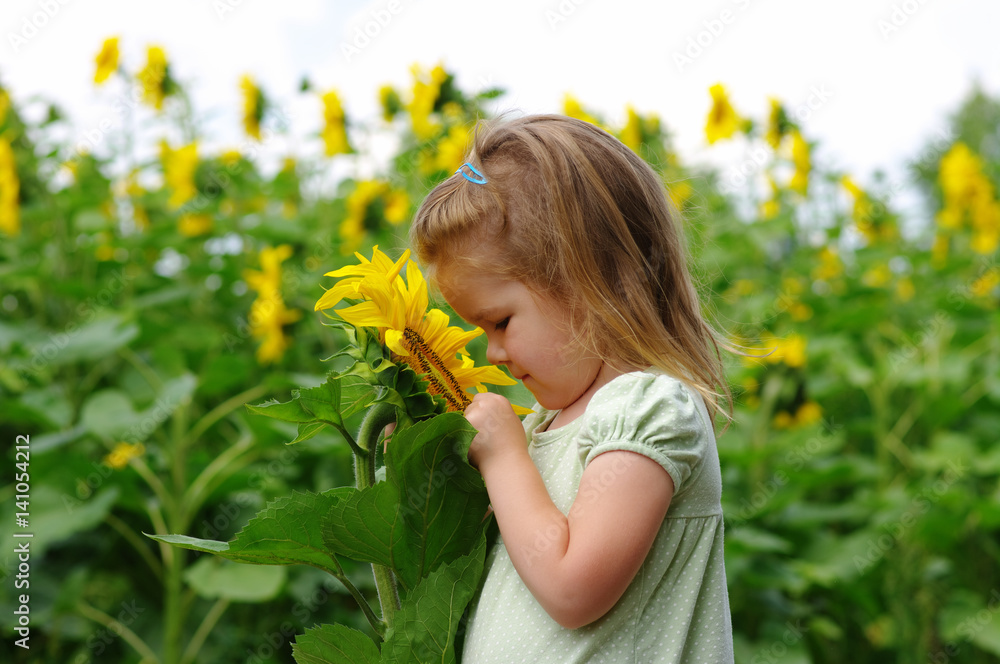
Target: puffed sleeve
{"points": [[652, 414]]}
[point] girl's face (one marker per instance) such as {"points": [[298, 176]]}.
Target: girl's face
{"points": [[527, 333]]}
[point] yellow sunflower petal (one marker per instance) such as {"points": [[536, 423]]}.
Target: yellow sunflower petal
{"points": [[415, 292], [447, 340], [347, 288], [394, 341], [364, 314], [469, 375]]}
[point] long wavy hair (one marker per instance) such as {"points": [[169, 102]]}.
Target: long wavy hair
{"points": [[575, 215]]}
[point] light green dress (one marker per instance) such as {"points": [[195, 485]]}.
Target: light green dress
{"points": [[677, 607]]}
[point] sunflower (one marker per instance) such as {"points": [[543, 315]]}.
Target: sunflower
{"points": [[106, 60], [723, 120], [414, 335], [334, 131], [155, 78], [179, 168], [253, 107], [802, 160], [268, 313], [10, 190], [123, 452]]}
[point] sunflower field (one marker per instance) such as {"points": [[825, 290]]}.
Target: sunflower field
{"points": [[151, 288]]}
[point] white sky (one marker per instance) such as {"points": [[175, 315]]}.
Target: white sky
{"points": [[886, 92]]}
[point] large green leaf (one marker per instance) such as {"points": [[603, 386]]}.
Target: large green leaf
{"points": [[211, 577], [968, 616], [111, 413], [55, 516], [363, 526], [360, 387], [428, 511], [444, 499], [429, 616], [93, 340], [323, 401], [286, 532], [297, 410], [314, 408], [334, 644]]}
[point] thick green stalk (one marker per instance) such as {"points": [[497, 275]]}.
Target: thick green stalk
{"points": [[115, 626], [377, 624], [173, 608], [178, 521], [378, 417]]}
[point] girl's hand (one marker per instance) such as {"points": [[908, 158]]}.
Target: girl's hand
{"points": [[499, 428]]}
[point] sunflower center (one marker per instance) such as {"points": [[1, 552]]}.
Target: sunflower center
{"points": [[441, 381]]}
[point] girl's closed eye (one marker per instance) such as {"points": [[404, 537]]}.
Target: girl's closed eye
{"points": [[501, 324]]}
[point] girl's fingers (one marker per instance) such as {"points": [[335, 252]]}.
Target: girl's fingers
{"points": [[386, 435]]}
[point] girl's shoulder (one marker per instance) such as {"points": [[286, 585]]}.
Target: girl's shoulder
{"points": [[634, 404], [654, 414], [649, 388]]}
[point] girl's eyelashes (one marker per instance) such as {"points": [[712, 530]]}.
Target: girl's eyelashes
{"points": [[502, 324]]}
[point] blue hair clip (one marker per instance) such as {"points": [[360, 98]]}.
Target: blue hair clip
{"points": [[479, 178]]}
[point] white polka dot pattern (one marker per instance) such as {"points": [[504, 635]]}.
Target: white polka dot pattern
{"points": [[677, 607]]}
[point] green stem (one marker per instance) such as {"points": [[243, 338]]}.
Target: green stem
{"points": [[388, 593], [159, 490], [160, 528], [378, 417], [142, 367], [130, 637], [224, 464], [178, 443], [224, 408], [173, 608], [204, 629], [377, 625], [173, 611], [137, 543]]}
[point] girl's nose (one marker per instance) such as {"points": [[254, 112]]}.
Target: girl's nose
{"points": [[495, 352]]}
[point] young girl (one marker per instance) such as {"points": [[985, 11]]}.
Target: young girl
{"points": [[559, 242]]}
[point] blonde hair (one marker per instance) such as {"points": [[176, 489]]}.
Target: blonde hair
{"points": [[573, 214]]}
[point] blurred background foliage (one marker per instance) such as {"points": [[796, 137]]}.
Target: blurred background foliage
{"points": [[150, 287]]}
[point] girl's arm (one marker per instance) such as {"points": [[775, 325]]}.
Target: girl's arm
{"points": [[576, 566]]}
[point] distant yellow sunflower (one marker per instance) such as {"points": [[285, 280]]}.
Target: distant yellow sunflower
{"points": [[123, 452], [632, 131], [574, 109], [371, 202], [106, 60], [777, 123], [802, 160], [154, 78], [334, 125], [194, 224], [969, 194], [723, 120], [253, 107], [790, 350], [4, 105], [390, 102], [179, 167], [268, 313], [424, 99], [10, 190]]}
